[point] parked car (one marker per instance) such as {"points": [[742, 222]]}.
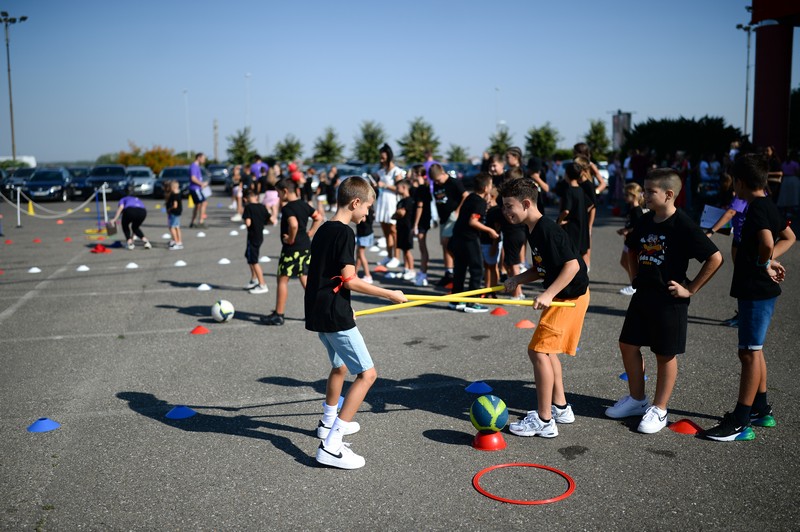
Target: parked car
{"points": [[179, 173], [113, 175], [143, 180], [16, 179], [219, 173], [79, 176], [49, 183]]}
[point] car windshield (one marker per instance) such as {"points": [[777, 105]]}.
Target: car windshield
{"points": [[24, 172], [78, 172], [107, 171], [175, 172], [40, 176], [139, 173]]}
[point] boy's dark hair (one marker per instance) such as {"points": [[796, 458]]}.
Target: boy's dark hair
{"points": [[352, 188], [417, 170], [497, 158], [572, 171], [515, 173], [751, 170], [435, 171], [481, 182], [249, 193], [665, 179], [520, 189], [405, 182], [288, 185], [199, 154]]}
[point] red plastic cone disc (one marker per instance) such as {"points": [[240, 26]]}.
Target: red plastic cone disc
{"points": [[200, 330], [685, 426], [499, 311], [9, 242], [37, 240], [489, 441], [60, 222], [525, 324], [68, 239], [380, 268]]}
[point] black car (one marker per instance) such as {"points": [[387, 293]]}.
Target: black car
{"points": [[113, 175], [79, 176], [219, 173], [49, 183], [17, 179], [181, 174]]}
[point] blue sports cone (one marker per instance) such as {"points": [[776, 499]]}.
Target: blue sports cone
{"points": [[43, 424], [180, 412], [478, 387]]}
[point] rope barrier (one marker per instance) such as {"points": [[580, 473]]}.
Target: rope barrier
{"points": [[55, 214]]}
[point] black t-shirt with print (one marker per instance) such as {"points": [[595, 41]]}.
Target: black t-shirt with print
{"points": [[302, 211], [422, 195], [258, 216], [328, 309], [751, 281], [448, 196], [474, 207], [551, 248], [664, 249]]}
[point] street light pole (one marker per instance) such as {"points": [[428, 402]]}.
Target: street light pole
{"points": [[6, 21], [247, 100], [749, 29]]}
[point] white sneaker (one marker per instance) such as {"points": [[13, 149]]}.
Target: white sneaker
{"points": [[654, 420], [409, 275], [421, 280], [176, 247], [323, 431], [518, 298], [251, 284], [628, 291], [259, 289], [148, 245], [344, 458], [562, 415], [394, 262], [532, 425], [236, 218], [232, 206], [130, 245], [367, 279], [627, 407]]}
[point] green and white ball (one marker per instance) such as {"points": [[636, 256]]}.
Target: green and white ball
{"points": [[222, 311], [488, 413]]}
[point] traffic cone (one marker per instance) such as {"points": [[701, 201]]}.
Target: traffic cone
{"points": [[30, 209], [499, 311], [191, 202], [525, 324]]}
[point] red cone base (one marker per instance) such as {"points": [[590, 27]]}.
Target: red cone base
{"points": [[380, 268], [685, 426], [68, 239], [60, 222], [37, 240], [499, 311], [200, 330], [525, 324], [489, 441]]}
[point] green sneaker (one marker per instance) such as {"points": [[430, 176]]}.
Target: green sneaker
{"points": [[762, 419]]}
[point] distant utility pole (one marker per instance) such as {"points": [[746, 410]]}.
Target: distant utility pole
{"points": [[186, 111], [247, 99], [6, 21], [216, 140]]}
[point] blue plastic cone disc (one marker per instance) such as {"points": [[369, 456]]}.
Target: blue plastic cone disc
{"points": [[43, 424], [624, 376], [478, 387], [180, 412]]}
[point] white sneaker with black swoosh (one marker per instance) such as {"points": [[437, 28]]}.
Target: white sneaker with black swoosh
{"points": [[344, 458], [653, 421], [323, 431]]}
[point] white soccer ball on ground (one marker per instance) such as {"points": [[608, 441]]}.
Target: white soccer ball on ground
{"points": [[222, 311]]}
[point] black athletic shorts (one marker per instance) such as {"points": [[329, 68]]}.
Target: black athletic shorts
{"points": [[653, 320]]}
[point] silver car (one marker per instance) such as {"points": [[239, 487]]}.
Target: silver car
{"points": [[143, 179]]}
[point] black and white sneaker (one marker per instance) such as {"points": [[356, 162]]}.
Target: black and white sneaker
{"points": [[344, 458], [729, 429], [323, 431]]}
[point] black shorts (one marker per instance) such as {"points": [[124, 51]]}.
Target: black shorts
{"points": [[405, 238], [654, 321], [512, 247], [294, 263], [251, 253], [197, 196]]}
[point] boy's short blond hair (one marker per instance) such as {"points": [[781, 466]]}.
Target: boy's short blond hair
{"points": [[352, 188], [665, 179]]}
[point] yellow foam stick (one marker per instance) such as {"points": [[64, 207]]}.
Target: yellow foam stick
{"points": [[458, 299], [378, 310]]}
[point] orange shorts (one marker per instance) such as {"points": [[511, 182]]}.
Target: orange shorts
{"points": [[559, 328]]}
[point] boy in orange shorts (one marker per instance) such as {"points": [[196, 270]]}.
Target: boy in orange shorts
{"points": [[564, 276]]}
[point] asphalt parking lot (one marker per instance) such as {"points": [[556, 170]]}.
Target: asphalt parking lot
{"points": [[108, 352]]}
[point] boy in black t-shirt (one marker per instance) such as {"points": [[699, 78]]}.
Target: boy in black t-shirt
{"points": [[405, 215], [574, 215], [465, 243], [556, 261], [296, 243], [422, 220], [331, 277], [756, 274], [255, 217], [660, 247], [449, 194]]}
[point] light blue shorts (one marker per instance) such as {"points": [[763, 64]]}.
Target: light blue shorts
{"points": [[365, 241], [489, 257], [347, 348], [754, 318]]}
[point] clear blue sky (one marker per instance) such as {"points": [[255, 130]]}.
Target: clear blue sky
{"points": [[89, 76]]}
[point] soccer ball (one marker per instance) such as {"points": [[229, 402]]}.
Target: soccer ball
{"points": [[488, 413], [222, 311]]}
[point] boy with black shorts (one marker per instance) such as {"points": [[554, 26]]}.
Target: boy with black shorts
{"points": [[556, 261], [255, 217], [331, 278], [405, 216], [296, 240], [465, 244], [659, 248], [764, 237]]}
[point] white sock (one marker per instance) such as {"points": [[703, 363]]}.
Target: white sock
{"points": [[334, 440], [329, 414]]}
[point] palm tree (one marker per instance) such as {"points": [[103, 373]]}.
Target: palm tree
{"points": [[327, 149], [367, 145], [457, 154], [289, 149], [542, 141], [419, 141], [597, 138], [500, 141], [240, 147]]}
